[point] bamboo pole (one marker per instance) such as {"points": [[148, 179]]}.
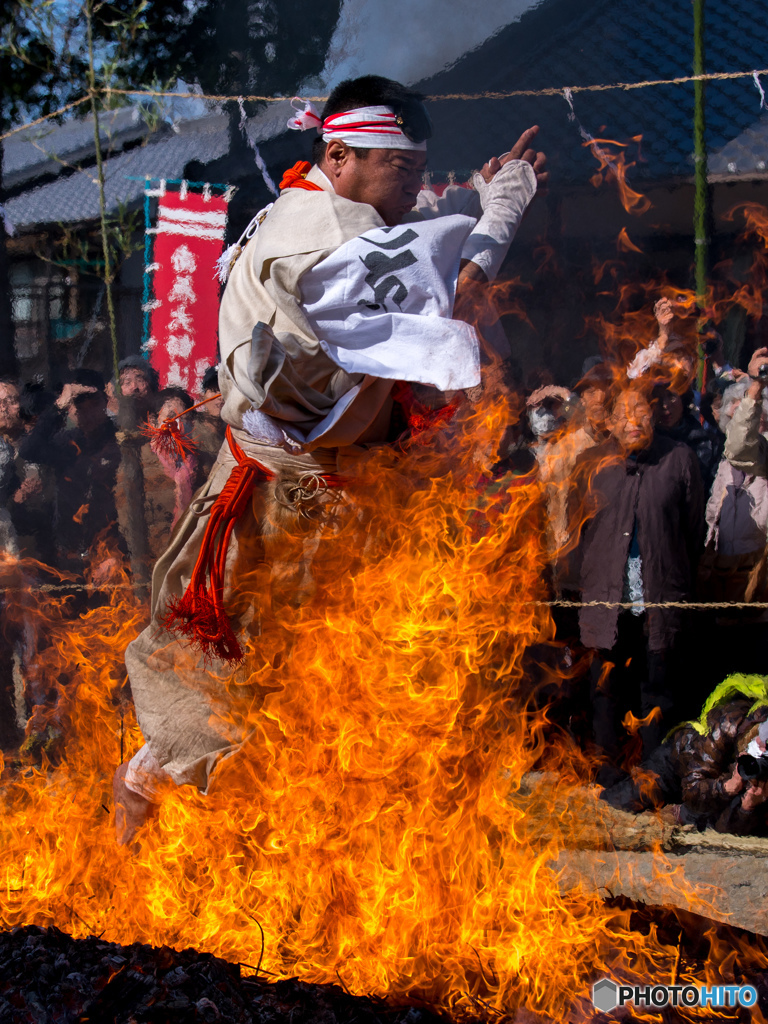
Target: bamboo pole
{"points": [[89, 4]]}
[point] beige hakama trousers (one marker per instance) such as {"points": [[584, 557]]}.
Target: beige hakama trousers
{"points": [[184, 703]]}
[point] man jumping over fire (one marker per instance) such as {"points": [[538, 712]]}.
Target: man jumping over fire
{"points": [[345, 286]]}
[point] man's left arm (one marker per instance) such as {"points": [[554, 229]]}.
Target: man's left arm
{"points": [[506, 186]]}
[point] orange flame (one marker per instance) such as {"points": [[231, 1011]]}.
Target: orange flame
{"points": [[368, 825], [377, 824], [614, 164], [625, 244]]}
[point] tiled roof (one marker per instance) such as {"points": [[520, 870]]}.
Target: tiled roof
{"points": [[75, 197], [746, 155], [39, 150], [572, 42]]}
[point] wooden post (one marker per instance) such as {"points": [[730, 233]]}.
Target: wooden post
{"points": [[108, 276]]}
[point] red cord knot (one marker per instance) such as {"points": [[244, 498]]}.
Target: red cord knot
{"points": [[296, 177]]}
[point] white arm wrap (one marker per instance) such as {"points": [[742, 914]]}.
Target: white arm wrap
{"points": [[504, 200]]}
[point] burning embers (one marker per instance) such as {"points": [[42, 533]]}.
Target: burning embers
{"points": [[45, 975]]}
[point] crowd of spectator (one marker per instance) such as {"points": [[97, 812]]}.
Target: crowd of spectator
{"points": [[73, 463], [84, 488], [656, 499], [654, 495]]}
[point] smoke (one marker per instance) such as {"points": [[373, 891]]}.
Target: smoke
{"points": [[408, 41]]}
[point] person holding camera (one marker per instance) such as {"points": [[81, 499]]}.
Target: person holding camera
{"points": [[713, 771], [745, 446]]}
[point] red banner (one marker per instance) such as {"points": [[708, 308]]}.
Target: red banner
{"points": [[189, 238]]}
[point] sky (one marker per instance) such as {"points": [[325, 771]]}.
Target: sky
{"points": [[408, 41]]}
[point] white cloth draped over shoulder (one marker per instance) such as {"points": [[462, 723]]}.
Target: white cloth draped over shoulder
{"points": [[382, 304]]}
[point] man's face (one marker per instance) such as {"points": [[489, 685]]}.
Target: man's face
{"points": [[9, 408], [213, 408], [89, 411], [170, 409], [669, 409], [631, 422], [133, 382], [389, 180], [593, 400]]}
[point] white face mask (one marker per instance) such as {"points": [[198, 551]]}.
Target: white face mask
{"points": [[542, 421]]}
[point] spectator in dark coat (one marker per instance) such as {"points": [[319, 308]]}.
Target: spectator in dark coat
{"points": [[76, 438], [675, 420], [642, 501]]}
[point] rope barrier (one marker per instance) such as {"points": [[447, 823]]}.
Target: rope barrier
{"points": [[687, 605], [712, 76], [52, 588], [45, 117]]}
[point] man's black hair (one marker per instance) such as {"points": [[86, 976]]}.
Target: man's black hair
{"points": [[35, 399], [87, 378], [210, 381], [371, 91], [184, 397]]}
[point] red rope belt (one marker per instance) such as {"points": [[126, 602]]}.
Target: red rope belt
{"points": [[199, 615]]}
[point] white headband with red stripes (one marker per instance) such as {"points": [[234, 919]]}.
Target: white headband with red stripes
{"points": [[363, 127]]}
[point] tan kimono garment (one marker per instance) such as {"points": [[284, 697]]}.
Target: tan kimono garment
{"points": [[183, 706]]}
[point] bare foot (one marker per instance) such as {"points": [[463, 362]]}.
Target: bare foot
{"points": [[131, 810]]}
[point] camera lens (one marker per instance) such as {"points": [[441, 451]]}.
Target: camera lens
{"points": [[748, 767]]}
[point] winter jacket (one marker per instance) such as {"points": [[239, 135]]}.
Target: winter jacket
{"points": [[691, 769], [737, 511], [703, 764], [745, 446], [85, 467], [661, 493]]}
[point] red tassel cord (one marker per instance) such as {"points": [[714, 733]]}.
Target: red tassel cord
{"points": [[169, 439], [199, 614], [295, 177]]}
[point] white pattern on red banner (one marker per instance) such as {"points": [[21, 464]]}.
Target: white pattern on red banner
{"points": [[189, 238]]}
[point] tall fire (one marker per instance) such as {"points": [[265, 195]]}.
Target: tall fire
{"points": [[367, 833]]}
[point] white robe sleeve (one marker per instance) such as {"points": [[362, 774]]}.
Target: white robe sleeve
{"points": [[382, 304], [455, 199]]}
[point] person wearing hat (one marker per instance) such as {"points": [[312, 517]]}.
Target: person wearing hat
{"points": [[344, 286]]}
